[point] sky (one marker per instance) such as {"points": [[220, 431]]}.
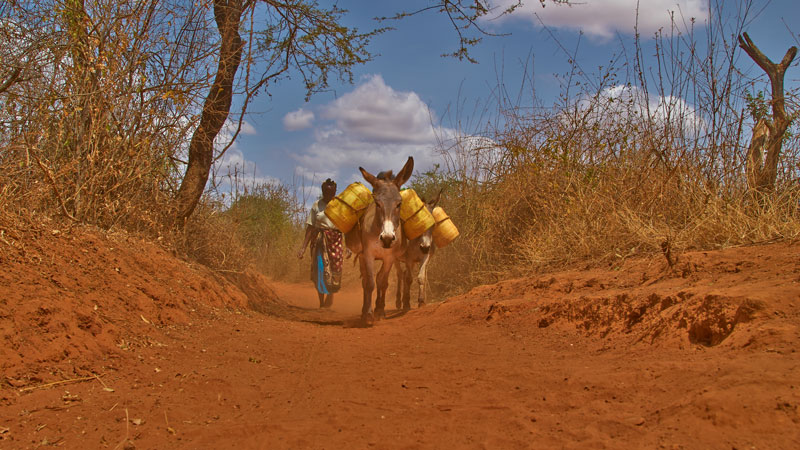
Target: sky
{"points": [[409, 98]]}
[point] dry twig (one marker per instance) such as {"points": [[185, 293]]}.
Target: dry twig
{"points": [[58, 383]]}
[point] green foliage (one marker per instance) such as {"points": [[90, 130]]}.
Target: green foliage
{"points": [[266, 219], [757, 105], [262, 213], [429, 183]]}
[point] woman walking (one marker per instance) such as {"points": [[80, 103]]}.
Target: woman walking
{"points": [[327, 249]]}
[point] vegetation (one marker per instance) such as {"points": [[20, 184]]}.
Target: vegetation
{"points": [[110, 111], [622, 166], [269, 223]]}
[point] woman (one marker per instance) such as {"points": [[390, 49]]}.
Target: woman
{"points": [[328, 248]]}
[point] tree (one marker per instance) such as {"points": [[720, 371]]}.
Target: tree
{"points": [[228, 15], [111, 99], [765, 147], [296, 36]]}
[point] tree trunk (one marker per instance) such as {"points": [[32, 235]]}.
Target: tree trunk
{"points": [[83, 84], [755, 153], [765, 148], [216, 107]]}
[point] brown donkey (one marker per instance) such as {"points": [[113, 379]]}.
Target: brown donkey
{"points": [[378, 236], [417, 251]]}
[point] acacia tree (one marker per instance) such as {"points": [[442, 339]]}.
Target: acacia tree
{"points": [[88, 88], [227, 15], [283, 36], [301, 37], [111, 101]]}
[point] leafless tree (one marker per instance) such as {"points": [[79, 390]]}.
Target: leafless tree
{"points": [[765, 147]]}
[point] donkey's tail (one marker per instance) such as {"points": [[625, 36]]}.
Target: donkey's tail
{"points": [[356, 258]]}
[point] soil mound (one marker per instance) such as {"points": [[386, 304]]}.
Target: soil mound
{"points": [[71, 298], [746, 297], [107, 341]]}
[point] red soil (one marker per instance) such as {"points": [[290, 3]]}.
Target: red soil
{"points": [[110, 342]]}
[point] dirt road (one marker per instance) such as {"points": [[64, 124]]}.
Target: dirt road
{"points": [[592, 359]]}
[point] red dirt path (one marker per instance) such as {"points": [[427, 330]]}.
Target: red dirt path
{"points": [[109, 342]]}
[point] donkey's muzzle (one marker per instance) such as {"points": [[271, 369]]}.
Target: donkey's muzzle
{"points": [[425, 249], [387, 240]]}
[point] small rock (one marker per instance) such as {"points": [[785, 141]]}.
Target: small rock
{"points": [[638, 421]]}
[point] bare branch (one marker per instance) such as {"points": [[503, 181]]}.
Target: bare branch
{"points": [[13, 78]]}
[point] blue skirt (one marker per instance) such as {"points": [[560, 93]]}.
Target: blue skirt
{"points": [[320, 272]]}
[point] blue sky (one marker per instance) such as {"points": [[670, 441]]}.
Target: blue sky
{"points": [[409, 97]]}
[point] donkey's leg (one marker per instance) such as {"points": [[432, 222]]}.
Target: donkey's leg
{"points": [[383, 284], [407, 279], [422, 279], [398, 302], [368, 284]]}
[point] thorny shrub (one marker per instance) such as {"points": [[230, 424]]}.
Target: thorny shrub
{"points": [[93, 130], [613, 170]]}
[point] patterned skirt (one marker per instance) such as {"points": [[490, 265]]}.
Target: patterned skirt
{"points": [[326, 268]]}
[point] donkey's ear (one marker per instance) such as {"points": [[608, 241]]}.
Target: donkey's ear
{"points": [[369, 177], [405, 173], [436, 199]]}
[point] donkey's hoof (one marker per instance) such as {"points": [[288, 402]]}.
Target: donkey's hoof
{"points": [[398, 303], [380, 314], [406, 306], [367, 320], [420, 304]]}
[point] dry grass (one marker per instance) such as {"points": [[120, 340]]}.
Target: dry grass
{"points": [[530, 223], [528, 209], [593, 180]]}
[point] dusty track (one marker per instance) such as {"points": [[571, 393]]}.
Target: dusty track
{"points": [[639, 356]]}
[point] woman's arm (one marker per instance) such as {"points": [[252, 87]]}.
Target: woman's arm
{"points": [[311, 233]]}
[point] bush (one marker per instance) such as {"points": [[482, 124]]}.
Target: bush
{"points": [[266, 219]]}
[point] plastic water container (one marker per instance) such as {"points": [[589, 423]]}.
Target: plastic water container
{"points": [[345, 209], [416, 217], [445, 231]]}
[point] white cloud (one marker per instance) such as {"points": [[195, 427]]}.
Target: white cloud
{"points": [[376, 112], [374, 127], [234, 162], [623, 103], [233, 171], [248, 128], [228, 129], [603, 18], [298, 120]]}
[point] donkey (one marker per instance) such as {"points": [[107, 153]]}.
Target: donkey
{"points": [[378, 236], [418, 251]]}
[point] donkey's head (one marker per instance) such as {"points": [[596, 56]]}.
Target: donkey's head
{"points": [[426, 239], [386, 192]]}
